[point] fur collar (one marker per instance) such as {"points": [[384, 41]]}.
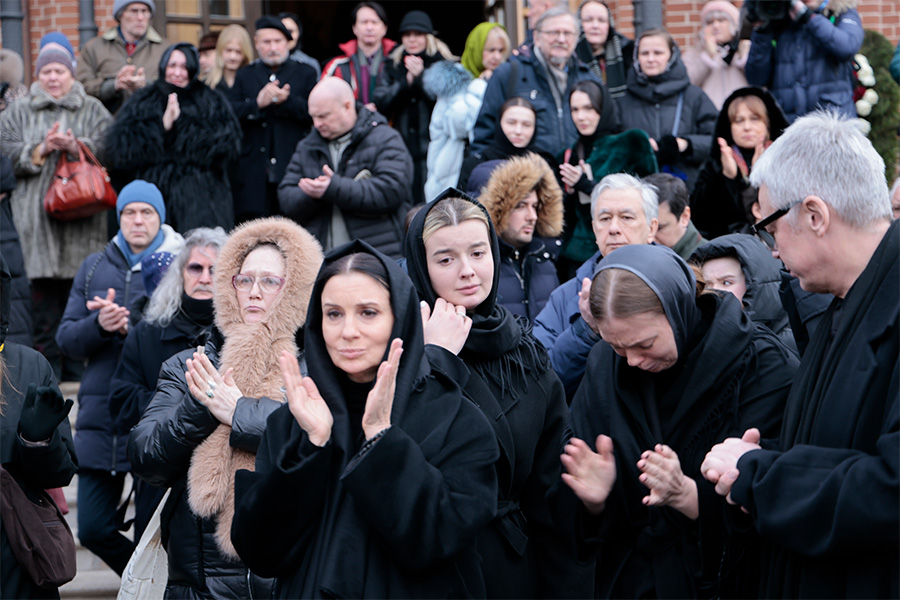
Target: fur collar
{"points": [[513, 180], [839, 7], [253, 351], [74, 100]]}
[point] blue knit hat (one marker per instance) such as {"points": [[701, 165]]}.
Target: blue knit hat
{"points": [[57, 37], [141, 191], [55, 48]]}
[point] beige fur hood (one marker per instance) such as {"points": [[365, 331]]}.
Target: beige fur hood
{"points": [[513, 180], [252, 350], [839, 7]]}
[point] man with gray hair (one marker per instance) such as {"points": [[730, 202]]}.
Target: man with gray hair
{"points": [[824, 497], [178, 316], [544, 73], [624, 211]]}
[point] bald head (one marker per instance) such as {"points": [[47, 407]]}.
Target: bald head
{"points": [[332, 107]]}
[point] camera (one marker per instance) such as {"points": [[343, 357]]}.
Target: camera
{"points": [[767, 11]]}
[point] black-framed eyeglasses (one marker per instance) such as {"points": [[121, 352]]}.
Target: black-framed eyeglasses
{"points": [[759, 229]]}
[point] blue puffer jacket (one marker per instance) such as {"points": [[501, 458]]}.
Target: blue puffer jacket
{"points": [[80, 337], [555, 131], [809, 66], [561, 330]]}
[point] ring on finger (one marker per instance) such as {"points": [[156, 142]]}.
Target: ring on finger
{"points": [[210, 393], [211, 384], [461, 313]]}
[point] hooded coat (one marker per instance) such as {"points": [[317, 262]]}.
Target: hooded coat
{"points": [[178, 443], [527, 273], [458, 100], [52, 249], [720, 205], [809, 66], [391, 517], [730, 375], [370, 186], [511, 380], [837, 535], [651, 104], [11, 250], [762, 272], [189, 163], [409, 109]]}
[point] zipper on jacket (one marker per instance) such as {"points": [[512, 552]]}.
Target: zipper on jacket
{"points": [[249, 586], [115, 453]]}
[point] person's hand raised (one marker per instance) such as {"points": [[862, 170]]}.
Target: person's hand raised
{"points": [[305, 401], [380, 401]]}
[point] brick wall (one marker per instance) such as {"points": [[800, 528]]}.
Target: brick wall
{"points": [[43, 16]]}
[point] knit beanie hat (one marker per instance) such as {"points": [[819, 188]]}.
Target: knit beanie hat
{"points": [[721, 6], [120, 5], [141, 191], [416, 20], [55, 48]]}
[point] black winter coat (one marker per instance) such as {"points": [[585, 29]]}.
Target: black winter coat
{"points": [[370, 185], [409, 108], [651, 104], [824, 496], [11, 250], [34, 468], [720, 205], [160, 449], [269, 134], [736, 376], [528, 276], [190, 163]]}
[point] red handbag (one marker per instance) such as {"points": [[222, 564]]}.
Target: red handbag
{"points": [[79, 188]]}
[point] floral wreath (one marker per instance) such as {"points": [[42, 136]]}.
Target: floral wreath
{"points": [[864, 94]]}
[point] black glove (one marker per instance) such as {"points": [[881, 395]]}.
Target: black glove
{"points": [[799, 12], [668, 150], [43, 410]]}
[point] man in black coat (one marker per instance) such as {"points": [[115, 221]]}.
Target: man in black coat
{"points": [[350, 178], [825, 496], [269, 98]]}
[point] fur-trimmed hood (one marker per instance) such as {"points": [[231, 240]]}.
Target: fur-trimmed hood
{"points": [[252, 350], [512, 181], [839, 7], [445, 79]]}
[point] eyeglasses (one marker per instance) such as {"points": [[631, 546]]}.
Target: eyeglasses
{"points": [[268, 284], [569, 35], [759, 229], [196, 269]]}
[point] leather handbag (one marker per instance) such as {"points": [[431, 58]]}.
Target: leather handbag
{"points": [[79, 188], [39, 536]]}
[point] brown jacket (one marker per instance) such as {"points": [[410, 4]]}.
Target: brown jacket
{"points": [[101, 59]]}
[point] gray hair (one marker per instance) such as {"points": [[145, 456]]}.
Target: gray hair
{"points": [[558, 11], [624, 181], [166, 299], [825, 155], [895, 186]]}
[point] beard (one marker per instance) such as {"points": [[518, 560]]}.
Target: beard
{"points": [[274, 61]]}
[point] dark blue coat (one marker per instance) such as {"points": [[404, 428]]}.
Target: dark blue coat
{"points": [[527, 276], [554, 129], [808, 66], [81, 337]]}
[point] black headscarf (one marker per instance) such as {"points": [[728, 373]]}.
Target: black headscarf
{"points": [[497, 343], [609, 119], [330, 380], [670, 278], [191, 60]]}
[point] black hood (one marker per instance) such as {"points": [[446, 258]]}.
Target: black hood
{"points": [[670, 82], [777, 121]]}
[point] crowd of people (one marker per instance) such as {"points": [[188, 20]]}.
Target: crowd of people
{"points": [[590, 317]]}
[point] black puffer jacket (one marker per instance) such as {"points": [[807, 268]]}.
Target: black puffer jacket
{"points": [[651, 104], [370, 185], [11, 250]]}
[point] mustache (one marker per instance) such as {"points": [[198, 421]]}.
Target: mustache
{"points": [[203, 288]]}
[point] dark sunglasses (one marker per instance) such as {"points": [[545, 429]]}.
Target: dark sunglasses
{"points": [[196, 269], [759, 229]]}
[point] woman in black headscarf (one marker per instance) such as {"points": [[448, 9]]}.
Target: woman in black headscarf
{"points": [[373, 479], [454, 261], [181, 136], [675, 373]]}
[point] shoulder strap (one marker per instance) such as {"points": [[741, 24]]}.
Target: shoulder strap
{"points": [[90, 275], [678, 110], [513, 75]]}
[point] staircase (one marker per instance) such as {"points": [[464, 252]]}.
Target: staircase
{"points": [[93, 579]]}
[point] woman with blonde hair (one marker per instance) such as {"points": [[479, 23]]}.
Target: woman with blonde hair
{"points": [[716, 63], [233, 50], [400, 95]]}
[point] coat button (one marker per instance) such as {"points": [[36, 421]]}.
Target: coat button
{"points": [[272, 160], [265, 124]]}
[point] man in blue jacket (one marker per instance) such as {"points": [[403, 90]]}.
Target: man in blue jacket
{"points": [[805, 59], [93, 329]]}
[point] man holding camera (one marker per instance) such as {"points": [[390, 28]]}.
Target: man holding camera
{"points": [[803, 51]]}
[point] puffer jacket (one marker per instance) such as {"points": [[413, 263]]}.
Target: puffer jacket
{"points": [[370, 185], [458, 100], [554, 131], [80, 337], [178, 443], [762, 273], [651, 104], [809, 66], [528, 273]]}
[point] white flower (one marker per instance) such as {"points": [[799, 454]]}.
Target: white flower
{"points": [[867, 80], [864, 126], [871, 96], [863, 108], [861, 60]]}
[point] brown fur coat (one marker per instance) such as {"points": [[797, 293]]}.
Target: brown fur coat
{"points": [[516, 178], [253, 351]]}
